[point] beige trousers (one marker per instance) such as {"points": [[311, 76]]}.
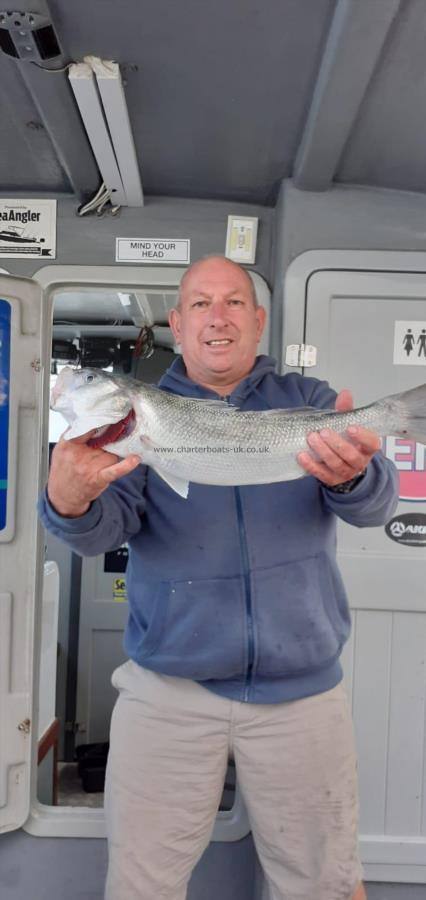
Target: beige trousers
{"points": [[295, 762]]}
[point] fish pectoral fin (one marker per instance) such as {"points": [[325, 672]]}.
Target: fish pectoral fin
{"points": [[146, 442], [177, 484]]}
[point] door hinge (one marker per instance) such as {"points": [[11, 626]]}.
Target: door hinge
{"points": [[301, 355], [25, 726]]}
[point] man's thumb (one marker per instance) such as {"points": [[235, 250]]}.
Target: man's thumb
{"points": [[344, 401]]}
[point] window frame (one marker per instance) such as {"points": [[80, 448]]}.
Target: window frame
{"points": [[86, 822]]}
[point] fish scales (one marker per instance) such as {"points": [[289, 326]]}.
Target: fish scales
{"points": [[232, 444], [209, 441]]}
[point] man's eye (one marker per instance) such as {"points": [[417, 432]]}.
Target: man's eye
{"points": [[234, 301], [200, 303]]}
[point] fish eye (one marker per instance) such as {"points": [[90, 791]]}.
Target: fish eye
{"points": [[89, 377]]}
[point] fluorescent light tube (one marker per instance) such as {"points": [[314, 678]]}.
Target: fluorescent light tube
{"points": [[115, 108], [144, 307], [125, 299], [87, 97]]}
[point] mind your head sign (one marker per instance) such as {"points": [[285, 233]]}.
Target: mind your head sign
{"points": [[153, 250]]}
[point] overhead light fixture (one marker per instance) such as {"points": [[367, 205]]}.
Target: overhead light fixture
{"points": [[125, 299], [110, 87], [143, 305], [137, 306], [102, 106]]}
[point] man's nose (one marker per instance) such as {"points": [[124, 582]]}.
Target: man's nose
{"points": [[218, 315]]}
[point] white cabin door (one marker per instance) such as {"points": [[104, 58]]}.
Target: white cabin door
{"points": [[21, 370], [103, 617], [361, 324]]}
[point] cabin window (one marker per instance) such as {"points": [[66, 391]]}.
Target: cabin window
{"points": [[105, 330], [84, 615]]}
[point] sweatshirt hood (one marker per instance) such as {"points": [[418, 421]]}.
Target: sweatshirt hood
{"points": [[176, 381]]}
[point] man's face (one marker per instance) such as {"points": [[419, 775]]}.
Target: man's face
{"points": [[217, 325]]}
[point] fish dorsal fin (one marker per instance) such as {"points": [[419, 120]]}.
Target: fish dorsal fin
{"points": [[297, 411], [213, 404], [176, 484], [210, 402]]}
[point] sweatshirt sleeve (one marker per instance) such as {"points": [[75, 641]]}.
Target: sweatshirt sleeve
{"points": [[374, 500], [113, 518]]}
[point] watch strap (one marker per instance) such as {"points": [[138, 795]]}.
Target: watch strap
{"points": [[346, 486]]}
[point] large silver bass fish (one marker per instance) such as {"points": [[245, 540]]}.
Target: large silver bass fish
{"points": [[208, 441]]}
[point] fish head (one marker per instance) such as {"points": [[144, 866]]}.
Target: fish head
{"points": [[92, 399]]}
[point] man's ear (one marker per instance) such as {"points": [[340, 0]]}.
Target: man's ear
{"points": [[174, 322], [261, 319]]}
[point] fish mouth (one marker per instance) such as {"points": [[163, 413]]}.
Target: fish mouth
{"points": [[112, 434]]}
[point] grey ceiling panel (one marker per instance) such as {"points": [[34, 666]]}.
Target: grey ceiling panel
{"points": [[219, 97], [28, 160], [217, 93], [58, 112], [341, 86], [388, 141]]}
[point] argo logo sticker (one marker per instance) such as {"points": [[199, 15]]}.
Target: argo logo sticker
{"points": [[410, 460], [408, 528]]}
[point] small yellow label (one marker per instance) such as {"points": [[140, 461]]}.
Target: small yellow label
{"points": [[119, 593]]}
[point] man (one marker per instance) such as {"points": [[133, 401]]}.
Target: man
{"points": [[237, 619]]}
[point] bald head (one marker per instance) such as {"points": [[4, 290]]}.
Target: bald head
{"points": [[227, 264]]}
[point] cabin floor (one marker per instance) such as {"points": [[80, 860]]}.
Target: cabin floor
{"points": [[74, 869], [70, 790]]}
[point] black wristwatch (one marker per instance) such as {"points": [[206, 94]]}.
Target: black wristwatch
{"points": [[347, 486]]}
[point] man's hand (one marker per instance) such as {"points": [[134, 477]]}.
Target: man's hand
{"points": [[78, 474], [337, 459]]}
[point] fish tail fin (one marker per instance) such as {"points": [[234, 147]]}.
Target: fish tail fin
{"points": [[409, 413]]}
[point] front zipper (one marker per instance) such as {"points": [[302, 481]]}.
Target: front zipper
{"points": [[247, 586]]}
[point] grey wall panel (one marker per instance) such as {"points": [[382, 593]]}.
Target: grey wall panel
{"points": [[75, 870], [349, 218], [380, 891], [91, 240]]}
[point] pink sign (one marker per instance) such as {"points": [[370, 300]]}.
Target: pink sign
{"points": [[410, 460]]}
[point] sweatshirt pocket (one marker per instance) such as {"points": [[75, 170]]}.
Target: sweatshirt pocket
{"points": [[194, 629], [302, 616]]}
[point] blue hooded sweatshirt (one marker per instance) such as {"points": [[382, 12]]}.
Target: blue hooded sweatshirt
{"points": [[236, 587]]}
